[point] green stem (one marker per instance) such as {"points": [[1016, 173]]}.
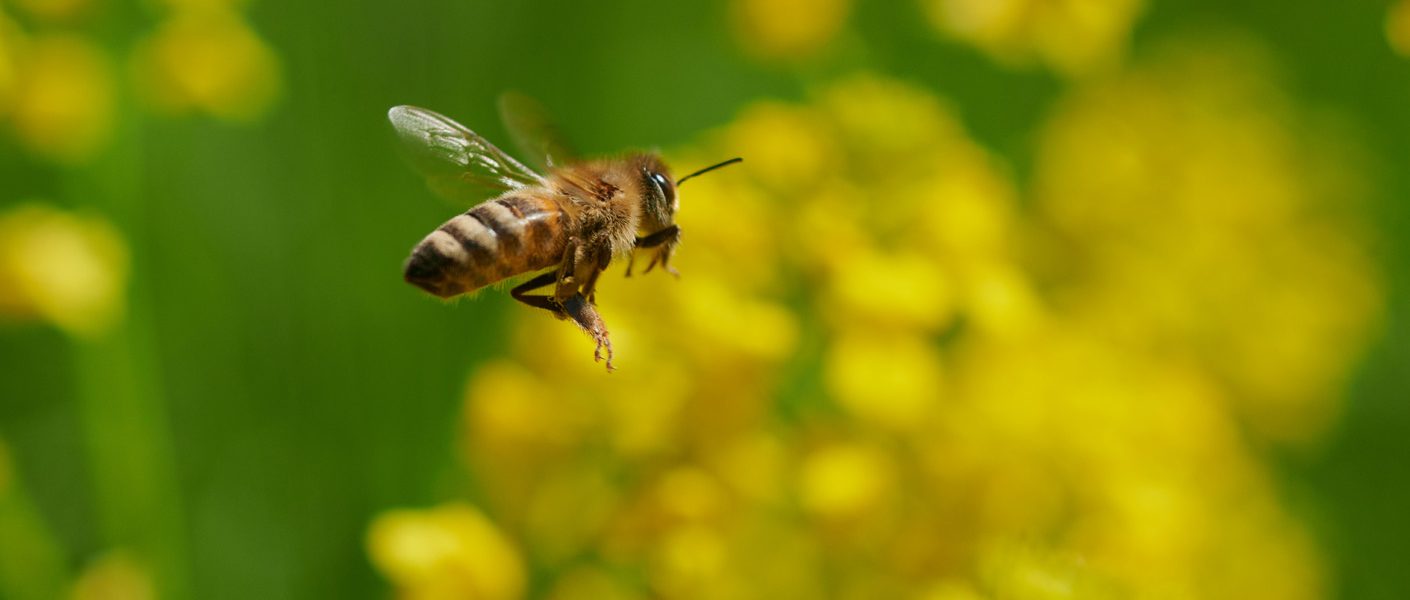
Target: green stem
{"points": [[131, 454]]}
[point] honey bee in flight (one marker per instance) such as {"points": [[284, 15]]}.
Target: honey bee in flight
{"points": [[569, 223]]}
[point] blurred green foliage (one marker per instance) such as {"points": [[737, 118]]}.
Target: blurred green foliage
{"points": [[271, 386]]}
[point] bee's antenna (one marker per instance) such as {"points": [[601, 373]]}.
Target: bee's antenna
{"points": [[708, 169]]}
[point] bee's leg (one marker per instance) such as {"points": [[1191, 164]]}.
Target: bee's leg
{"points": [[663, 256], [590, 285], [570, 273], [666, 234], [538, 301], [586, 316], [576, 307]]}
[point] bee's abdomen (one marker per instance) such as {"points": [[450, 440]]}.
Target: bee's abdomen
{"points": [[493, 241]]}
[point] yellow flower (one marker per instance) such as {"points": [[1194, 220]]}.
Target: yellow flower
{"points": [[789, 148], [1073, 36], [114, 576], [689, 493], [590, 583], [202, 5], [691, 558], [889, 379], [1000, 300], [209, 61], [1015, 570], [1398, 27], [54, 10], [1206, 231], [451, 551], [896, 291], [63, 99], [889, 127], [9, 65], [950, 590], [510, 412], [69, 270], [566, 510], [753, 466], [788, 29], [843, 481]]}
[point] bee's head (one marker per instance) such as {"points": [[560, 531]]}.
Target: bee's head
{"points": [[660, 190]]}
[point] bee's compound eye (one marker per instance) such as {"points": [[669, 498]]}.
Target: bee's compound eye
{"points": [[663, 187]]}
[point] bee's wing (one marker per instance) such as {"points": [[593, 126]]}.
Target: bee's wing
{"points": [[456, 162], [533, 131]]}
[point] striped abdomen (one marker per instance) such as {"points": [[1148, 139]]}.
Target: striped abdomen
{"points": [[497, 239]]}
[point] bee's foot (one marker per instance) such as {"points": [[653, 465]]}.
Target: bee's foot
{"points": [[603, 341], [582, 312]]}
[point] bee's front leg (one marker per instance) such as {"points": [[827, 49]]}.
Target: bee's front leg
{"points": [[666, 239]]}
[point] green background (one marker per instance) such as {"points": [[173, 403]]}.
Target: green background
{"points": [[305, 388]]}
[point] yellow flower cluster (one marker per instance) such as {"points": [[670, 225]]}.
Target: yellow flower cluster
{"points": [[881, 374], [788, 30], [57, 92], [59, 88], [1074, 37], [114, 576], [1398, 27], [449, 552], [1195, 225], [205, 58], [66, 269]]}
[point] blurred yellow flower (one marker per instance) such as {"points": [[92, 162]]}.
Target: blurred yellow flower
{"points": [[692, 558], [208, 61], [1011, 569], [788, 29], [54, 10], [9, 66], [843, 481], [905, 291], [66, 269], [63, 104], [589, 583], [200, 5], [451, 551], [114, 576], [892, 380], [889, 127], [788, 146], [1201, 227], [1398, 27], [1075, 37]]}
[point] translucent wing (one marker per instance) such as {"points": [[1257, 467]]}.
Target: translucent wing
{"points": [[533, 131], [456, 162]]}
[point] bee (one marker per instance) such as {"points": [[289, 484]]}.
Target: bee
{"points": [[566, 225]]}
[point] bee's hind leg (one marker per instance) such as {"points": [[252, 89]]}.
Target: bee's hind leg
{"points": [[539, 301], [576, 307], [586, 316]]}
